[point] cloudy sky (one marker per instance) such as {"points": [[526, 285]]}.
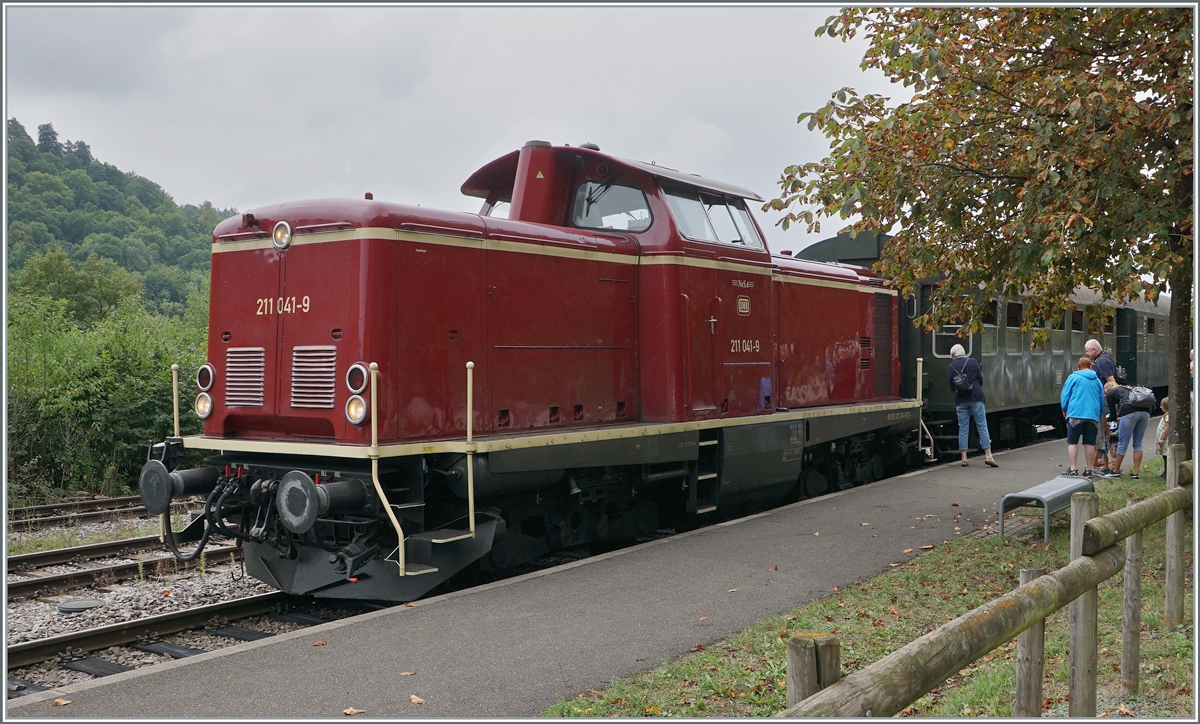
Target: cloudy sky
{"points": [[256, 105]]}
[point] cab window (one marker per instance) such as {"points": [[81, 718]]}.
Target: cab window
{"points": [[610, 206], [689, 213]]}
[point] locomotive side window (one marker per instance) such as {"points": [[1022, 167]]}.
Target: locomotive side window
{"points": [[745, 225], [610, 206], [990, 341], [721, 218], [1151, 334], [947, 337], [498, 210], [1013, 338], [689, 213]]}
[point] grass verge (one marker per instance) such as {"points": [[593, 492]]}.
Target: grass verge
{"points": [[19, 542], [745, 675]]}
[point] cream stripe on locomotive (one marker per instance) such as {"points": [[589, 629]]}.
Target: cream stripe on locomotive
{"points": [[544, 439], [536, 248]]}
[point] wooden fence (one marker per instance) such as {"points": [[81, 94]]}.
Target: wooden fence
{"points": [[814, 686]]}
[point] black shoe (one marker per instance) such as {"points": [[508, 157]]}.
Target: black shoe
{"points": [[991, 463], [1072, 472], [1135, 476]]}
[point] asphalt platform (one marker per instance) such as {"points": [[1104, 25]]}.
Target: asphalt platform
{"points": [[514, 647]]}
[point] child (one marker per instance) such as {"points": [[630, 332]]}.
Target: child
{"points": [[1164, 428]]}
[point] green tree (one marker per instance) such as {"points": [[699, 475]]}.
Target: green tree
{"points": [[92, 290], [1043, 150], [48, 140]]}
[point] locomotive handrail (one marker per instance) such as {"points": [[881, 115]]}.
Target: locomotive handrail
{"points": [[373, 452], [471, 446]]}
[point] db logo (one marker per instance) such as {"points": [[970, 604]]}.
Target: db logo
{"points": [[743, 306]]}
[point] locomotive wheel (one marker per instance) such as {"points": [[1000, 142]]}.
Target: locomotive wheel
{"points": [[812, 484]]}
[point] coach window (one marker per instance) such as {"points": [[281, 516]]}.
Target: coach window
{"points": [[1058, 335], [1077, 332], [947, 337], [1039, 348], [1110, 333], [1013, 342], [610, 206], [990, 341], [1151, 334]]}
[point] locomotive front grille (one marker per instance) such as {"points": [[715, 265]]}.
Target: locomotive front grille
{"points": [[245, 368], [314, 376]]}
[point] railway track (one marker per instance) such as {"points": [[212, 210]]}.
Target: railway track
{"points": [[39, 517], [42, 583], [75, 645]]}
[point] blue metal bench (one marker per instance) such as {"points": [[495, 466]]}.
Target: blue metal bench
{"points": [[1052, 496]]}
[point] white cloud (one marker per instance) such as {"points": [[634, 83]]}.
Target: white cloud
{"points": [[249, 106]]}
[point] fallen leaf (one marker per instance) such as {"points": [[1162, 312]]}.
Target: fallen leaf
{"points": [[926, 548], [772, 569], [874, 535], [1102, 715], [954, 505], [1116, 668], [166, 592], [410, 605], [415, 699], [827, 618], [704, 618], [893, 565], [864, 523], [877, 623], [652, 709], [816, 534], [59, 701], [908, 550], [1124, 711], [836, 589], [352, 711], [407, 673], [318, 643], [697, 647]]}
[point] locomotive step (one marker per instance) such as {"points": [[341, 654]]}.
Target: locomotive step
{"points": [[441, 535], [417, 569]]}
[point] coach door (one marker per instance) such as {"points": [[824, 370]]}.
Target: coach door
{"points": [[1126, 352]]}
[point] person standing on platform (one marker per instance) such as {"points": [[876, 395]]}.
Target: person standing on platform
{"points": [[969, 402], [1106, 370], [1082, 402]]}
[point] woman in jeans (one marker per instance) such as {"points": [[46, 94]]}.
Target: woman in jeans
{"points": [[1132, 424], [969, 405]]}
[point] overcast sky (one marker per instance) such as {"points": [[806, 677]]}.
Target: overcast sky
{"points": [[250, 106]]}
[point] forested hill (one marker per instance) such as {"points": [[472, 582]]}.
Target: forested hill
{"points": [[108, 287], [61, 199]]}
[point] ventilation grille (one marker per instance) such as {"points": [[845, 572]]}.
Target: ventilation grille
{"points": [[864, 363], [314, 376], [864, 342], [244, 371]]}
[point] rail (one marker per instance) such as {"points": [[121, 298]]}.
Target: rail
{"points": [[895, 681]]}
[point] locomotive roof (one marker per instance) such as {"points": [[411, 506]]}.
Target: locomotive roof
{"points": [[503, 170]]}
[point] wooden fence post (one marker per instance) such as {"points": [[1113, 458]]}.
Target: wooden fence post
{"points": [[1031, 659], [1131, 615], [814, 661], [1082, 636], [1173, 613]]}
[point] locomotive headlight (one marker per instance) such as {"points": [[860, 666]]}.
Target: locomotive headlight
{"points": [[356, 410], [205, 376], [204, 405], [282, 235], [356, 378]]}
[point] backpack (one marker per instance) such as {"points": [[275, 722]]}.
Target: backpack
{"points": [[1141, 398], [961, 382]]}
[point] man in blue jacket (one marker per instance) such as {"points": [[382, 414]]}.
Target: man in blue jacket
{"points": [[1082, 402]]}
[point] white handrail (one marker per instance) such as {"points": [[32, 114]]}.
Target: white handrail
{"points": [[373, 453]]}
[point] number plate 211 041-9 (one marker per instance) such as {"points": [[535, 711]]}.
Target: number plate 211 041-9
{"points": [[282, 305]]}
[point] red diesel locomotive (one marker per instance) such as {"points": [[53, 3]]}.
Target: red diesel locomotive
{"points": [[394, 393]]}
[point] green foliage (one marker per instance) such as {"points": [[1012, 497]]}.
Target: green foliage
{"points": [[61, 198], [108, 288], [1043, 150]]}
